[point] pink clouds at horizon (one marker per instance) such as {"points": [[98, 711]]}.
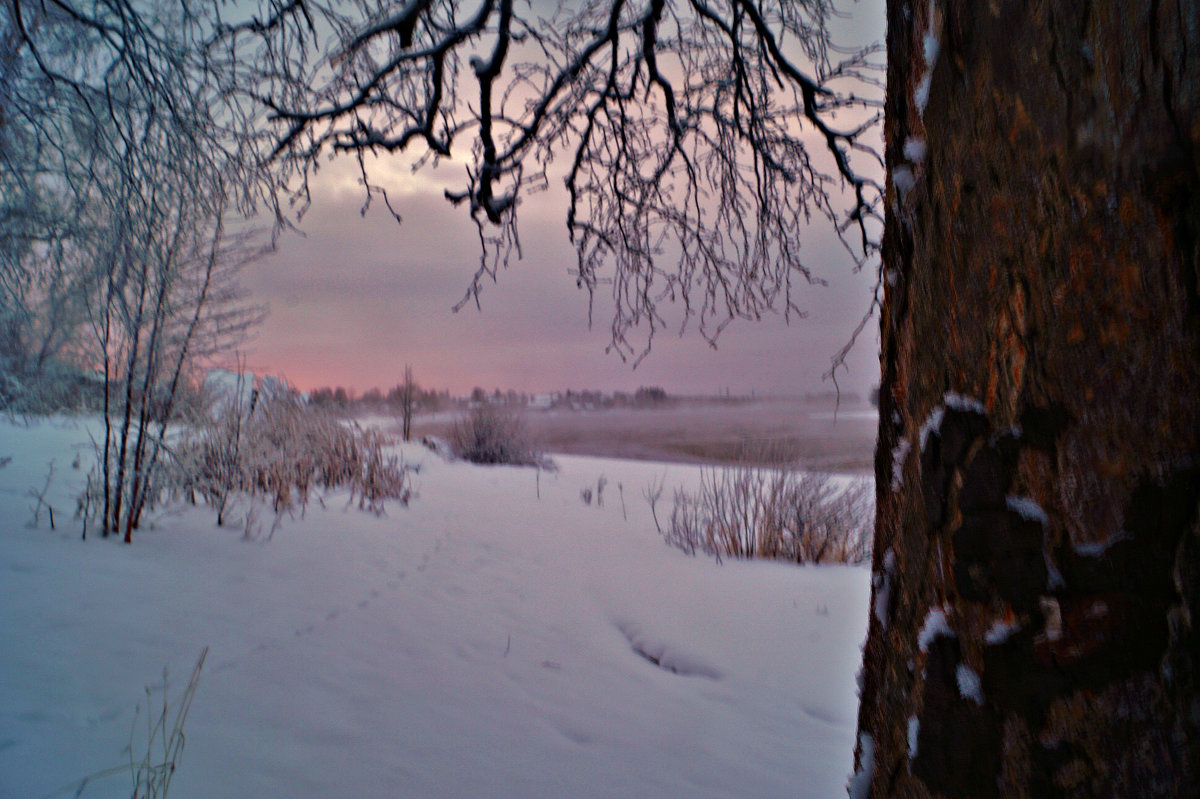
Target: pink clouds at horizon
{"points": [[357, 298]]}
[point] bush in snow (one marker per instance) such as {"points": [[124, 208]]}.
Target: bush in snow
{"points": [[280, 449], [780, 513], [494, 434], [52, 388]]}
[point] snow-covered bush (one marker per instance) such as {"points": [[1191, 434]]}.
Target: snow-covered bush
{"points": [[493, 434], [280, 449], [55, 387], [780, 513]]}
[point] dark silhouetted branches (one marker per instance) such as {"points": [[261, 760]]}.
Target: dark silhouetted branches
{"points": [[697, 141]]}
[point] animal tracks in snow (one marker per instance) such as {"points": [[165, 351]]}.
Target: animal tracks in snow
{"points": [[334, 613]]}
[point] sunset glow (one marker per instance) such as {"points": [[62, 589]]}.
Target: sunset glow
{"points": [[357, 297]]}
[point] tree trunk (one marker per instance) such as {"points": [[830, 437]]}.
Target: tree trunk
{"points": [[408, 398], [1037, 559]]}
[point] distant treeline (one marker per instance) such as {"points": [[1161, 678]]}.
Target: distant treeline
{"points": [[432, 400], [376, 399]]}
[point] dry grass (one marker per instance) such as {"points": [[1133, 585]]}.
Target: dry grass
{"points": [[280, 451], [163, 743], [164, 739], [775, 512]]}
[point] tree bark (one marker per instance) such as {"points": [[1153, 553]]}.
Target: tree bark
{"points": [[1037, 561]]}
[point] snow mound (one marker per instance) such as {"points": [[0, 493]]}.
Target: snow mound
{"points": [[667, 656]]}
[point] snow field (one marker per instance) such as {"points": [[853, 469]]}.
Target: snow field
{"points": [[479, 643]]}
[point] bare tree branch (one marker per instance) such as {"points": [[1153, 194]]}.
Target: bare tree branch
{"points": [[703, 138]]}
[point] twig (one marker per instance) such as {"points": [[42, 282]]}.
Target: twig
{"points": [[40, 496]]}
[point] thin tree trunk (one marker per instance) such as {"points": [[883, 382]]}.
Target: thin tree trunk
{"points": [[135, 326], [105, 466], [140, 484], [1037, 559], [184, 350], [407, 400], [140, 476]]}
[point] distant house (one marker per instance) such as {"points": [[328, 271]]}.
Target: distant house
{"points": [[228, 389], [541, 402], [273, 387]]}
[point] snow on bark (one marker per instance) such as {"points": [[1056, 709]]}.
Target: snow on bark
{"points": [[962, 402], [1099, 548], [1054, 578], [899, 456], [969, 684], [954, 401], [904, 180], [914, 149], [1000, 631], [932, 424], [935, 625], [883, 588], [860, 782], [932, 46], [1027, 509]]}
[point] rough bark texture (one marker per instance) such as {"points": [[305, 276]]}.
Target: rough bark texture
{"points": [[1039, 456]]}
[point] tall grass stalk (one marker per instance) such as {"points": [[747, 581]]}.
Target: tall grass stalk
{"points": [[152, 772]]}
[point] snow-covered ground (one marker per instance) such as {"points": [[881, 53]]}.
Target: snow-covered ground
{"points": [[482, 642]]}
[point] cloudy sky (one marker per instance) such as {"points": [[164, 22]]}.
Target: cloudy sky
{"points": [[357, 297]]}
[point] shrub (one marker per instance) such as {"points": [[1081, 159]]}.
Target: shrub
{"points": [[281, 449], [494, 434], [772, 512], [55, 387]]}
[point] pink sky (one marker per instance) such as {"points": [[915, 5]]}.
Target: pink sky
{"points": [[357, 298]]}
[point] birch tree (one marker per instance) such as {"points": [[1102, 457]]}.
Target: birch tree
{"points": [[130, 161]]}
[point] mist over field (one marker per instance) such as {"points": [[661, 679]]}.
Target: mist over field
{"points": [[816, 435]]}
